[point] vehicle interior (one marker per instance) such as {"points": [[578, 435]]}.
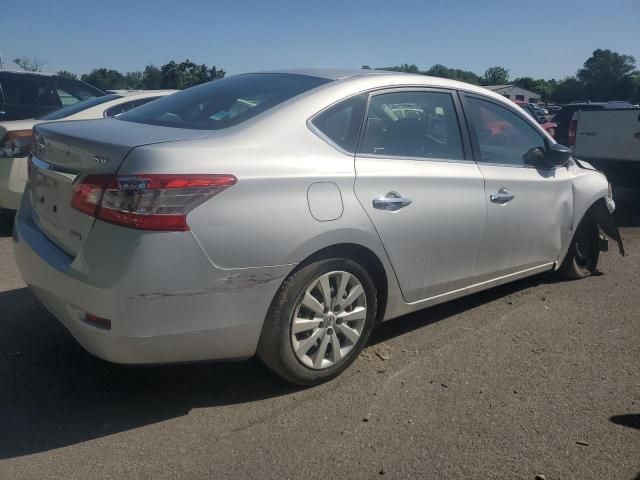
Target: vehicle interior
{"points": [[426, 127]]}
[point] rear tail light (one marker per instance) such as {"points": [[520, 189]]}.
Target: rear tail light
{"points": [[573, 126], [147, 202], [16, 143]]}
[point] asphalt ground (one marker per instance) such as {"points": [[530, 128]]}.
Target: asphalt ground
{"points": [[539, 377]]}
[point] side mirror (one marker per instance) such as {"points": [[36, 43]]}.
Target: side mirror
{"points": [[558, 155], [535, 157]]}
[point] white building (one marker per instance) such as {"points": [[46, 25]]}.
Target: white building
{"points": [[515, 93]]}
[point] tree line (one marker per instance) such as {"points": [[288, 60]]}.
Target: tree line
{"points": [[171, 75], [606, 75]]}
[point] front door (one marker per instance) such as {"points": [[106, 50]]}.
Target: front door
{"points": [[529, 210], [423, 193]]}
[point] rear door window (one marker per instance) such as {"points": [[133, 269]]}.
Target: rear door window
{"points": [[341, 123], [413, 124]]}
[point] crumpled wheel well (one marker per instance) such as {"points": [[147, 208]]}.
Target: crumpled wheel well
{"points": [[601, 215]]}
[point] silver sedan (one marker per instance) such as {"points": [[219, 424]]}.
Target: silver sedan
{"points": [[285, 213]]}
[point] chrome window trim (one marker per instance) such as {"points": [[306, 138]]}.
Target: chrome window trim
{"points": [[411, 158]]}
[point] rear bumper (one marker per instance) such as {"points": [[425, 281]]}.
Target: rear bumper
{"points": [[166, 302], [13, 178]]}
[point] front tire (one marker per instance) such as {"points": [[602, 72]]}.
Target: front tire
{"points": [[582, 258], [319, 321]]}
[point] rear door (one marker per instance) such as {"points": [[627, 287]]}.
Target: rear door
{"points": [[424, 194], [529, 210]]}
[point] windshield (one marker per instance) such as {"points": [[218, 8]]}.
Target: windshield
{"points": [[78, 107], [223, 103]]}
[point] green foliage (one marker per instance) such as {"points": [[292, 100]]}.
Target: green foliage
{"points": [[187, 74], [608, 75], [172, 75], [104, 79], [66, 74], [567, 90], [541, 86], [439, 70], [404, 68], [29, 64], [151, 78], [495, 76], [133, 80]]}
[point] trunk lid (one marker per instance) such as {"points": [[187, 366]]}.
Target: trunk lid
{"points": [[65, 152]]}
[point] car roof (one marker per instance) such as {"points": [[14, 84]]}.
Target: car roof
{"points": [[330, 73], [140, 93], [22, 72], [384, 78], [582, 104]]}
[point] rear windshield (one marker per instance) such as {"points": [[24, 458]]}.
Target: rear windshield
{"points": [[223, 103], [78, 107]]}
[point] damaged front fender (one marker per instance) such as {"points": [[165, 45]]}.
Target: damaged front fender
{"points": [[604, 219]]}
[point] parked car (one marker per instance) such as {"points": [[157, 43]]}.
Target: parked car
{"points": [[553, 109], [286, 213], [609, 139], [30, 95], [564, 116], [548, 126], [16, 136], [620, 104], [539, 109]]}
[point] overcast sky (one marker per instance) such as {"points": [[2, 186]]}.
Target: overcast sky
{"points": [[539, 39]]}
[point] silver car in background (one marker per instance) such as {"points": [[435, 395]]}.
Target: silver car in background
{"points": [[286, 213]]}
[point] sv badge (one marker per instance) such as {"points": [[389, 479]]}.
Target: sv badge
{"points": [[100, 160]]}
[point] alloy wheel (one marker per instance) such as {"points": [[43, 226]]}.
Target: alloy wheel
{"points": [[328, 320]]}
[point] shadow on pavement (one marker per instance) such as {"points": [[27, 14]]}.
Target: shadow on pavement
{"points": [[631, 420], [451, 308], [55, 394], [6, 222]]}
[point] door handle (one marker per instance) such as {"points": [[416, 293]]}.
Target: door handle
{"points": [[392, 201], [502, 196]]}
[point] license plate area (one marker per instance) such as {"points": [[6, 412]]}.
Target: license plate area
{"points": [[44, 196]]}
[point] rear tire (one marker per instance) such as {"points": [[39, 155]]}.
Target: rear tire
{"points": [[308, 341], [582, 258]]}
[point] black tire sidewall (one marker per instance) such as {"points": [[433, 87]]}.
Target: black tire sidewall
{"points": [[570, 267], [278, 322]]}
